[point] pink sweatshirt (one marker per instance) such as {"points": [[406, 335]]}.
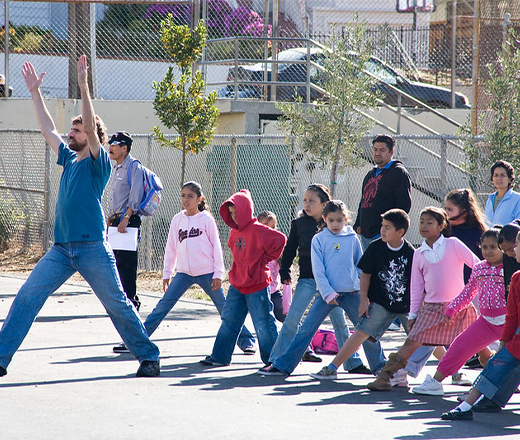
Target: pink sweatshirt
{"points": [[193, 246], [274, 269], [488, 282], [439, 282]]}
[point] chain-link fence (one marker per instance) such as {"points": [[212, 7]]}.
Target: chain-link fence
{"points": [[276, 172], [431, 41]]}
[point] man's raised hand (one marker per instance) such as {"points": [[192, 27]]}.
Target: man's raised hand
{"points": [[32, 80], [82, 71]]}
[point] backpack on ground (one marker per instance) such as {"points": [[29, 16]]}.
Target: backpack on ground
{"points": [[152, 189], [324, 342]]}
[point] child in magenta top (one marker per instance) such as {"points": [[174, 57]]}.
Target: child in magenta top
{"points": [[437, 278], [503, 369], [486, 281]]}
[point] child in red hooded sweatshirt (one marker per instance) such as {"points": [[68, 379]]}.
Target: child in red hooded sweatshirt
{"points": [[252, 245]]}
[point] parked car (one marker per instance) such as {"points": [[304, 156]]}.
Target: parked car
{"points": [[433, 96], [2, 87]]}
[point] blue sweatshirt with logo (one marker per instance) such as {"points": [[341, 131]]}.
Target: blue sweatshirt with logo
{"points": [[334, 260]]}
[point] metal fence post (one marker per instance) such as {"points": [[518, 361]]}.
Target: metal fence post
{"points": [[46, 199], [233, 165], [149, 222], [399, 111], [444, 166], [6, 61]]}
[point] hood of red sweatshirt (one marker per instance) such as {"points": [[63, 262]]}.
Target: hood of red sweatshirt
{"points": [[243, 203]]}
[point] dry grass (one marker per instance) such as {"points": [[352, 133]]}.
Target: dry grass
{"points": [[22, 262]]}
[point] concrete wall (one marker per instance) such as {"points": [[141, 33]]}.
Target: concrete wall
{"points": [[236, 117], [135, 116]]}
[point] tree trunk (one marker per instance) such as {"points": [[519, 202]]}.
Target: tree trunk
{"points": [[183, 165], [334, 169]]}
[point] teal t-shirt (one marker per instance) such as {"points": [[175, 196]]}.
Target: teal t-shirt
{"points": [[79, 215]]}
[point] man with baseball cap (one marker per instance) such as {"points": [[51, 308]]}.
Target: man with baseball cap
{"points": [[125, 196]]}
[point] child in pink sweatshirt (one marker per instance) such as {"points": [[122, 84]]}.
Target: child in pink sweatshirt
{"points": [[281, 299], [437, 278], [486, 281], [194, 250]]}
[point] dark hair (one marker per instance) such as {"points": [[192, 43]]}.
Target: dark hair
{"points": [[197, 189], [507, 166], [266, 215], [100, 127], [386, 139], [333, 206], [321, 190], [440, 216], [508, 232], [467, 202], [398, 218], [493, 232]]}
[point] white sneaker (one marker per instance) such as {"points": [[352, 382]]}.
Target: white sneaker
{"points": [[430, 387], [400, 379], [394, 327], [326, 373], [461, 379]]}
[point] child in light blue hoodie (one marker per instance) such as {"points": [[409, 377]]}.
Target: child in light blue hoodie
{"points": [[335, 253]]}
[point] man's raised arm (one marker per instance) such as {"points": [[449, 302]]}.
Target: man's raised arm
{"points": [[87, 109], [47, 127]]}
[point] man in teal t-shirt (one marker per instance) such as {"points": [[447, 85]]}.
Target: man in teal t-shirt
{"points": [[79, 232]]}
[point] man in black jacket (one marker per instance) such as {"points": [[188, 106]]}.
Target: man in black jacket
{"points": [[386, 186]]}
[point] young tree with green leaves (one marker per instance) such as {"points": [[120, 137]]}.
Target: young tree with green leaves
{"points": [[501, 123], [180, 103], [330, 129]]}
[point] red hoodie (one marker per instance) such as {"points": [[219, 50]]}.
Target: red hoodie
{"points": [[252, 245]]}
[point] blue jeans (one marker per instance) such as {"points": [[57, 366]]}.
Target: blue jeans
{"points": [[233, 316], [508, 386], [503, 369], [419, 359], [96, 263], [178, 285], [318, 312], [303, 294]]}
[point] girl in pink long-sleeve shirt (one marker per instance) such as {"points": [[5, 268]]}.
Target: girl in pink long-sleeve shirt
{"points": [[281, 299], [436, 279], [487, 280], [193, 249]]}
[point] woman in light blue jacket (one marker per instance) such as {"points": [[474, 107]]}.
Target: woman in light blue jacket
{"points": [[503, 206]]}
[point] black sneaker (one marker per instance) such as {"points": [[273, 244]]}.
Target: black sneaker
{"points": [[249, 350], [3, 371], [362, 369], [208, 361], [457, 414], [149, 369], [473, 362], [121, 348], [486, 405], [270, 370], [309, 356]]}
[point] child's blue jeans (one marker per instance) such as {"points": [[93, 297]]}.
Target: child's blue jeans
{"points": [[349, 302], [234, 313]]}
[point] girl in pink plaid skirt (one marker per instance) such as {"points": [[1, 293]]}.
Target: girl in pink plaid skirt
{"points": [[437, 278]]}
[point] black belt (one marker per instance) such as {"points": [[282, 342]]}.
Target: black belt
{"points": [[115, 219]]}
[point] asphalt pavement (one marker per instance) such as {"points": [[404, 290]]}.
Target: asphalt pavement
{"points": [[66, 383]]}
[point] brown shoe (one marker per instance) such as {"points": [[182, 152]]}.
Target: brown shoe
{"points": [[382, 383]]}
